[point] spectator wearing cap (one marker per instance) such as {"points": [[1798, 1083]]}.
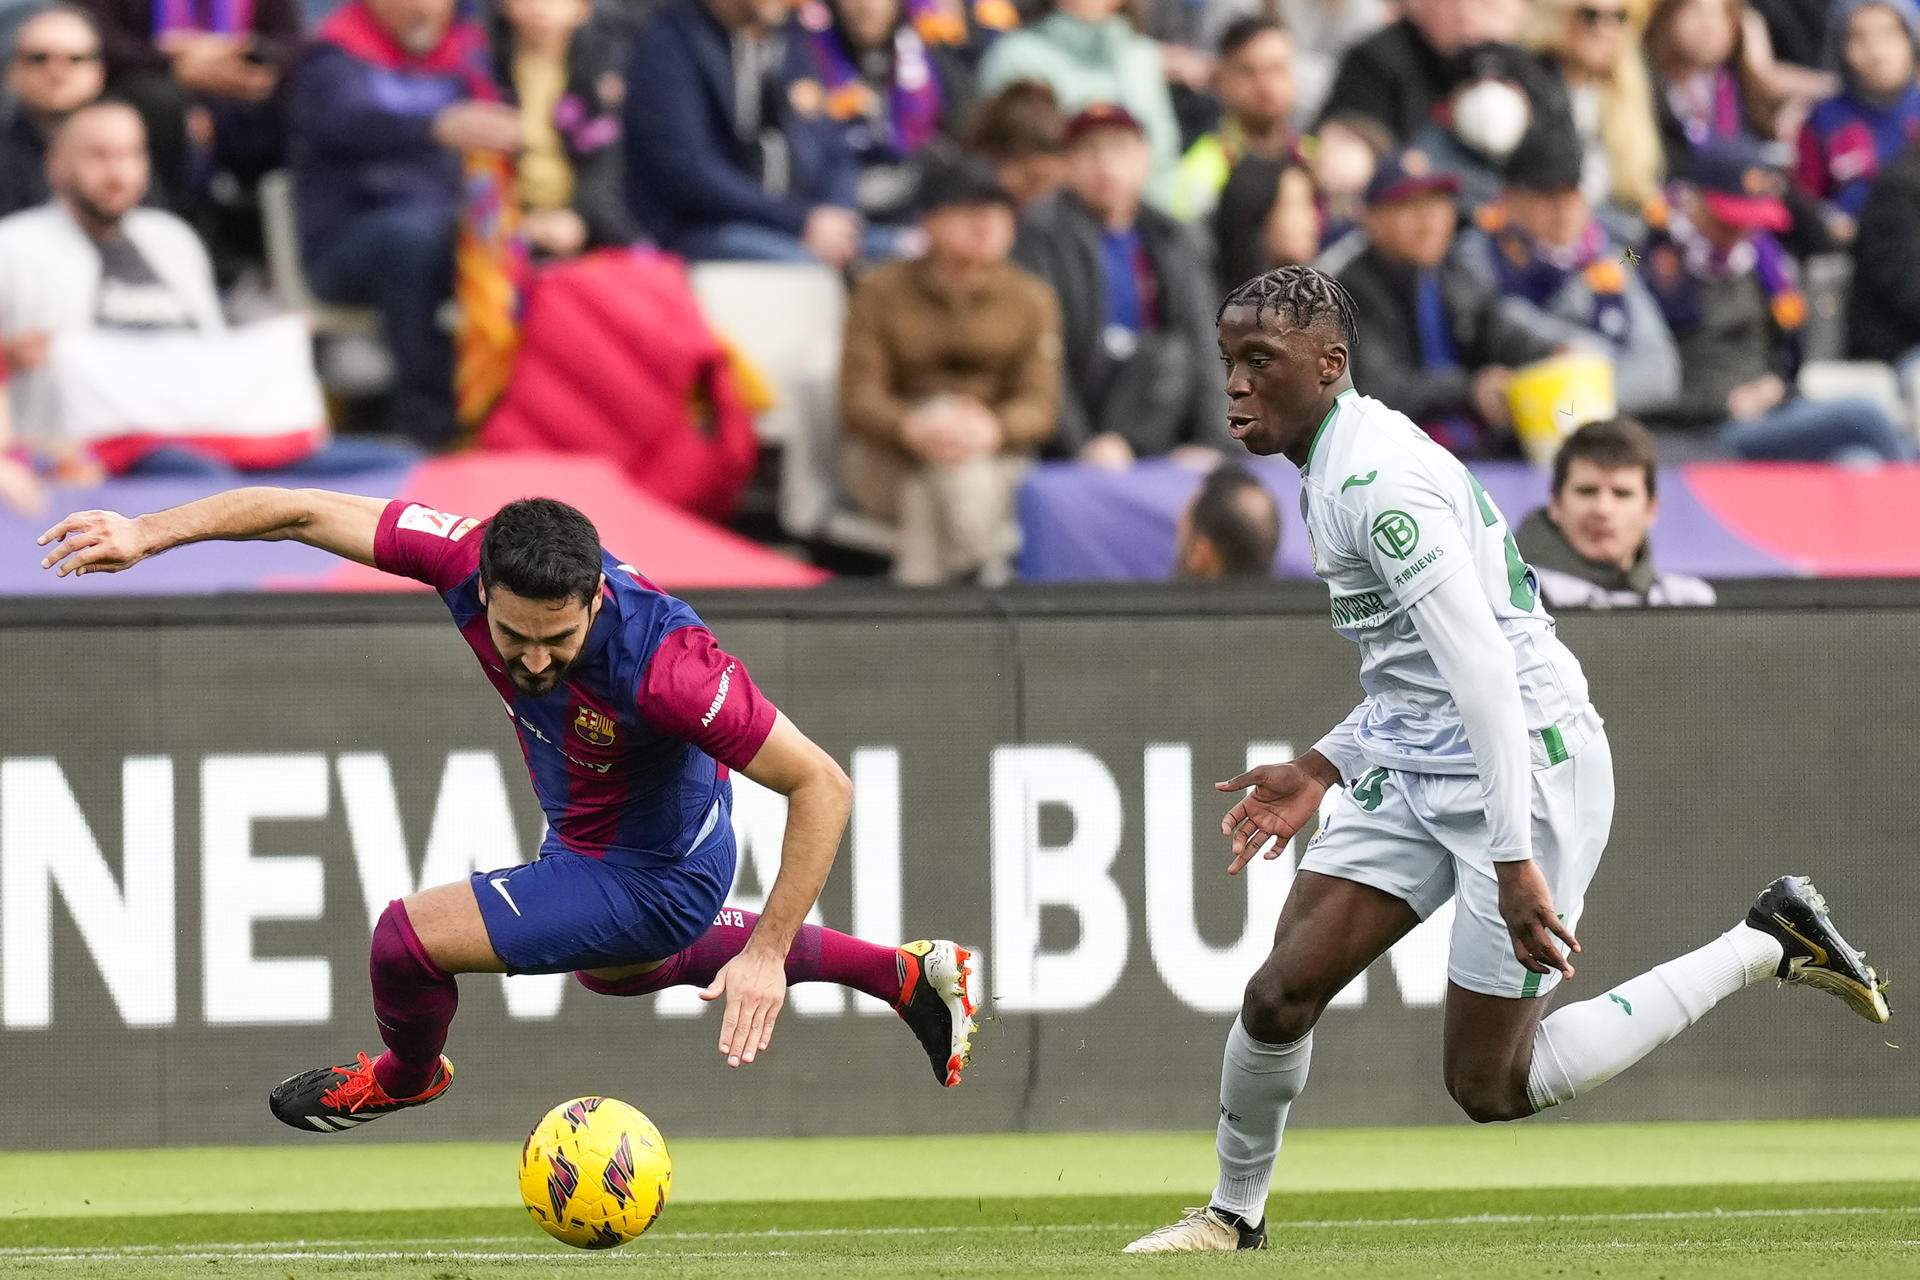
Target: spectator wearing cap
{"points": [[55, 70], [1560, 274], [1088, 53], [1397, 76], [896, 79], [1231, 529], [1021, 132], [950, 382], [1848, 138], [1503, 94], [1883, 315], [382, 106], [1591, 46], [1136, 305], [1589, 546], [1731, 298], [730, 151], [1433, 339], [1254, 81]]}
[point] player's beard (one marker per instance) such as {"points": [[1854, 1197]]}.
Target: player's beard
{"points": [[536, 686]]}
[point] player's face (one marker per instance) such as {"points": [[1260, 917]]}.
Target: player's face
{"points": [[1606, 512], [1275, 380], [538, 639]]}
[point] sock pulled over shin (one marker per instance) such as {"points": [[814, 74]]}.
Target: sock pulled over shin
{"points": [[818, 954], [1584, 1045], [413, 1001], [1258, 1083]]}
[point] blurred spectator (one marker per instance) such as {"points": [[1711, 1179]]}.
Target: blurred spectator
{"points": [[1589, 545], [1321, 31], [204, 77], [1500, 94], [1397, 75], [1342, 156], [1883, 316], [1136, 306], [730, 151], [113, 333], [1022, 133], [1849, 137], [1434, 341], [1231, 529], [55, 69], [1705, 86], [1267, 218], [895, 76], [1088, 53], [383, 104], [1255, 83], [950, 382], [1797, 30], [1559, 273], [562, 71], [1592, 46], [1730, 296]]}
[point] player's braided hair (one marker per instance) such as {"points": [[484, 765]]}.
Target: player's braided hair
{"points": [[1301, 295]]}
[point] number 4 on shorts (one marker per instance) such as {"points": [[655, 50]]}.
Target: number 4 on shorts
{"points": [[1366, 792]]}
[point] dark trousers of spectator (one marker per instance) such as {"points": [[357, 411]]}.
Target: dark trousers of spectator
{"points": [[400, 260], [249, 138], [1844, 430]]}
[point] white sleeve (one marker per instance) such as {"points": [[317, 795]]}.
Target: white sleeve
{"points": [[1341, 744], [1473, 657]]}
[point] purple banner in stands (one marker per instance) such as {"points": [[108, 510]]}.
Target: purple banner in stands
{"points": [[1086, 525]]}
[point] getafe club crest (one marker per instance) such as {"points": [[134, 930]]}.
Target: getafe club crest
{"points": [[594, 727]]}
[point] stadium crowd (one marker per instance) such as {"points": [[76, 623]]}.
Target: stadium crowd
{"points": [[1033, 211]]}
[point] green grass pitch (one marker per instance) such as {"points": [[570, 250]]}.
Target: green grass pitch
{"points": [[1546, 1199]]}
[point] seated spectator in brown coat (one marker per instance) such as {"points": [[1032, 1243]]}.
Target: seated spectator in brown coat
{"points": [[1588, 546], [1023, 134], [204, 77], [950, 382], [562, 71], [1434, 342], [1231, 529], [1136, 306], [55, 69]]}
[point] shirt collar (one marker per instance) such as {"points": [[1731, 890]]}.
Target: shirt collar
{"points": [[1321, 431]]}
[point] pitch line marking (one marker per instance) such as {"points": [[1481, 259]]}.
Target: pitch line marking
{"points": [[295, 1249]]}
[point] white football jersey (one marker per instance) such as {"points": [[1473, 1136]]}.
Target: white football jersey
{"points": [[1390, 515]]}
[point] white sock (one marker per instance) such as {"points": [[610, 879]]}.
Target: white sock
{"points": [[1258, 1083], [1585, 1045]]}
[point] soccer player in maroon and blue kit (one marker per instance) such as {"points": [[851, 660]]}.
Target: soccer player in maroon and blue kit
{"points": [[632, 719]]}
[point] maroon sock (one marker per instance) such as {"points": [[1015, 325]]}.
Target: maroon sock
{"points": [[817, 955], [413, 1001]]}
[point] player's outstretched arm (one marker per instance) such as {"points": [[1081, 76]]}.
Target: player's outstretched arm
{"points": [[108, 542], [819, 798]]}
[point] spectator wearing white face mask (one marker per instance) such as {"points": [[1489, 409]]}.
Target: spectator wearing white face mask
{"points": [[1502, 95]]}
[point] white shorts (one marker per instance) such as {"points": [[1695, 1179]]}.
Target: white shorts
{"points": [[1422, 837]]}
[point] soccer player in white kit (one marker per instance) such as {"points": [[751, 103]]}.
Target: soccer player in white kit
{"points": [[1474, 769]]}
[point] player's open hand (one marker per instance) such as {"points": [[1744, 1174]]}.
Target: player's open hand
{"points": [[755, 985], [93, 542], [1537, 930], [1283, 800]]}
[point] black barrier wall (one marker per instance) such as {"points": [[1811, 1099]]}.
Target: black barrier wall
{"points": [[199, 820]]}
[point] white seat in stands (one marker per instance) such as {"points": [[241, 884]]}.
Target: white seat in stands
{"points": [[788, 318], [283, 264]]}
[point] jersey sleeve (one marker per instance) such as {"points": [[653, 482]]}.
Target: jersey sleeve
{"points": [[694, 689], [435, 547], [1405, 528]]}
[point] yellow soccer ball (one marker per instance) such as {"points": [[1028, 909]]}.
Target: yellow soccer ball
{"points": [[595, 1173]]}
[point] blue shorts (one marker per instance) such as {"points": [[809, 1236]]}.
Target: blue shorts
{"points": [[565, 911]]}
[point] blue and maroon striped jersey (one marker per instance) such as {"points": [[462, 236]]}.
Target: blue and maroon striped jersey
{"points": [[630, 752]]}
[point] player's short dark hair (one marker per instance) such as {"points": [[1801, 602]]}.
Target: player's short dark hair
{"points": [[541, 549], [1614, 443], [1301, 296], [1243, 31], [1235, 513]]}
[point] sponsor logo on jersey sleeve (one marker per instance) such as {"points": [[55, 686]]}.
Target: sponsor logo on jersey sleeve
{"points": [[1396, 534], [440, 524]]}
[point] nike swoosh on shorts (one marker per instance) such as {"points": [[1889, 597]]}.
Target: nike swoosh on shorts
{"points": [[501, 885]]}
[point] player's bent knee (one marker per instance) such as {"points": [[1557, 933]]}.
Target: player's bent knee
{"points": [[1277, 1012], [1488, 1099]]}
